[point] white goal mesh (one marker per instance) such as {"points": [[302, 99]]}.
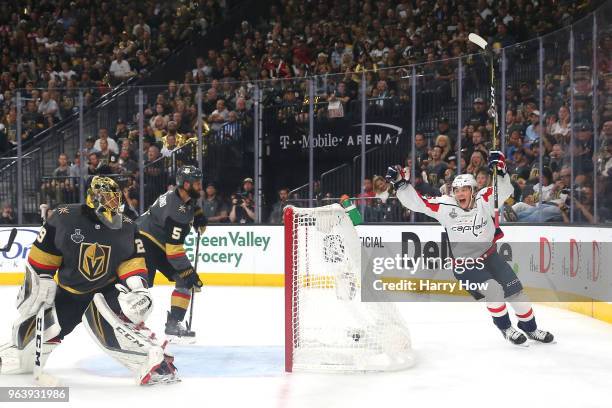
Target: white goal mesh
{"points": [[327, 327]]}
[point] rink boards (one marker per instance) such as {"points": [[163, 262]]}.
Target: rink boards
{"points": [[232, 255]]}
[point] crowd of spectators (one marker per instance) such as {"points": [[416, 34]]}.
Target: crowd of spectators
{"points": [[101, 159], [51, 49], [438, 161], [575, 160], [341, 41], [337, 42]]}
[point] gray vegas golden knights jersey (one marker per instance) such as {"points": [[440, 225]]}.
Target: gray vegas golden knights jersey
{"points": [[166, 223], [86, 254]]}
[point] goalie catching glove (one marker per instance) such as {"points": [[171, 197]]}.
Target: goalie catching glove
{"points": [[397, 176], [497, 160]]}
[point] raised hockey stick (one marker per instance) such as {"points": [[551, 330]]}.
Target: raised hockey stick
{"points": [[482, 43], [195, 268], [11, 239]]}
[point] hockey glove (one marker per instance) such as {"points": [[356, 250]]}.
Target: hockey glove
{"points": [[397, 176], [199, 220], [135, 304], [497, 160], [191, 279]]}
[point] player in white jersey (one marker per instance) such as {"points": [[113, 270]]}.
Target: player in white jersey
{"points": [[468, 217]]}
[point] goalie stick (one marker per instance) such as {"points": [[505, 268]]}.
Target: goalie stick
{"points": [[482, 43], [43, 379], [11, 239]]}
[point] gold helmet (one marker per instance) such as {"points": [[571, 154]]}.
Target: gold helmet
{"points": [[104, 196]]}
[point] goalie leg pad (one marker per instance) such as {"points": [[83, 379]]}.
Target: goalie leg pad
{"points": [[132, 345], [24, 328], [17, 357], [16, 361], [35, 292], [29, 299]]}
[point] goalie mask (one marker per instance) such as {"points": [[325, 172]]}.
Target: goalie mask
{"points": [[104, 196]]}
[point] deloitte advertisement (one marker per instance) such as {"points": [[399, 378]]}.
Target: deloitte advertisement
{"points": [[574, 260], [553, 263]]}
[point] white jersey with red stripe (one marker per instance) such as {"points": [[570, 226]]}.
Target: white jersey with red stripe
{"points": [[470, 232]]}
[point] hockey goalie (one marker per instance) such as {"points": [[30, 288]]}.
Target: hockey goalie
{"points": [[96, 256]]}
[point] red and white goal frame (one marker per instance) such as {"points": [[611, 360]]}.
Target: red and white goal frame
{"points": [[327, 326], [289, 300]]}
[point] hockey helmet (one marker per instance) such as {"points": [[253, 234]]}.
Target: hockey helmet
{"points": [[464, 180], [188, 174], [104, 196]]}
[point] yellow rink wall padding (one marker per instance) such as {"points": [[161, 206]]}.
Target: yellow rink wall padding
{"points": [[213, 279], [233, 279], [598, 310]]}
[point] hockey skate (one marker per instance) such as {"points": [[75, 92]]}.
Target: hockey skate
{"points": [[177, 333], [541, 336], [16, 361], [514, 336], [164, 373]]}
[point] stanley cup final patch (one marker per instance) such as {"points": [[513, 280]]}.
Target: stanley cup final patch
{"points": [[77, 237]]}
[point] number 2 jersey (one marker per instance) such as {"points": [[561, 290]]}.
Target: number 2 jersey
{"points": [[85, 254], [470, 232], [166, 224]]}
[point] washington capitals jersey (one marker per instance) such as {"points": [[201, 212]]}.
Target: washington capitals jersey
{"points": [[85, 254], [167, 223], [470, 232]]}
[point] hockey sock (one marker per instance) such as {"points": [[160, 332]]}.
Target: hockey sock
{"points": [[494, 295], [179, 303], [499, 313], [524, 312], [527, 322]]}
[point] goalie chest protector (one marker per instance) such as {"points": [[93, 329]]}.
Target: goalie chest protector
{"points": [[91, 252]]}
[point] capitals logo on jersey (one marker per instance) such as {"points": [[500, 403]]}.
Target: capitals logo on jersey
{"points": [[468, 225], [93, 260]]}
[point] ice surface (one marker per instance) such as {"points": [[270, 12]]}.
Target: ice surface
{"points": [[462, 361]]}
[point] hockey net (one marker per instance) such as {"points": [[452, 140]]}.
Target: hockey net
{"points": [[327, 327]]}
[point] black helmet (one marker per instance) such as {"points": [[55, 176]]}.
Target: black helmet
{"points": [[188, 174]]}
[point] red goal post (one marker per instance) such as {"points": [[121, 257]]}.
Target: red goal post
{"points": [[327, 326]]}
